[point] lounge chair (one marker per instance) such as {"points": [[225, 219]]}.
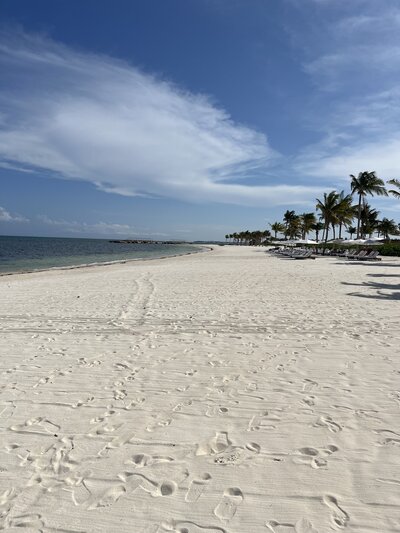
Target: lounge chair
{"points": [[371, 256], [304, 254], [357, 255]]}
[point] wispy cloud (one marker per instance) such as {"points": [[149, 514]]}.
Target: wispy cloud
{"points": [[6, 216], [359, 45], [359, 135], [355, 75], [97, 228], [94, 118]]}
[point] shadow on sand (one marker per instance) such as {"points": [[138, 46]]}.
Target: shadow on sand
{"points": [[370, 264], [380, 290]]}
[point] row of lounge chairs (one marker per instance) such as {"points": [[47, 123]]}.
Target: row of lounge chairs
{"points": [[364, 255], [302, 253], [294, 253]]}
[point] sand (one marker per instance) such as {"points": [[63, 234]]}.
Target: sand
{"points": [[229, 391]]}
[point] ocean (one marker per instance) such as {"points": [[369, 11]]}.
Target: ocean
{"points": [[24, 254]]}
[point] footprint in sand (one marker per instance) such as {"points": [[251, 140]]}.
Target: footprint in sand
{"points": [[301, 526], [84, 402], [80, 494], [178, 407], [7, 496], [316, 458], [217, 444], [104, 429], [186, 526], [119, 394], [339, 516], [32, 522], [262, 421], [304, 526], [165, 488], [7, 411], [279, 527], [390, 442], [39, 425], [109, 497], [155, 488], [159, 422], [309, 400], [326, 421], [140, 460], [215, 410], [227, 507], [196, 488]]}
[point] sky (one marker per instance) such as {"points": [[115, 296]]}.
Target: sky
{"points": [[191, 119]]}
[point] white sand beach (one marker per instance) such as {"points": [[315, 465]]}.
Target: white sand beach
{"points": [[223, 392]]}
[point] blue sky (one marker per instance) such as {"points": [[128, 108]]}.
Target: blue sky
{"points": [[191, 119]]}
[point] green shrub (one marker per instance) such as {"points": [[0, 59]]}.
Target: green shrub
{"points": [[390, 248]]}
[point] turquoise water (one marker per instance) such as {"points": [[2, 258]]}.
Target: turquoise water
{"points": [[21, 254]]}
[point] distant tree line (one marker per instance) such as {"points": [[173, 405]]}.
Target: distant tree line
{"points": [[335, 212]]}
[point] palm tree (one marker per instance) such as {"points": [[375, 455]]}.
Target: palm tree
{"points": [[307, 222], [344, 211], [369, 220], [293, 229], [266, 234], [328, 208], [255, 238], [351, 230], [317, 227], [366, 183], [245, 237], [387, 227], [277, 227], [396, 183], [288, 217], [226, 237]]}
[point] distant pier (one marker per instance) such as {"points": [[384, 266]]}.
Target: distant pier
{"points": [[144, 241]]}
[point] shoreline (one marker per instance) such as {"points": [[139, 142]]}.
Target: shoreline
{"points": [[105, 263]]}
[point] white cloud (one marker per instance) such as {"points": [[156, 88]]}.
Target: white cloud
{"points": [[5, 216], [93, 118], [358, 62], [83, 227], [96, 228], [342, 67], [383, 157], [360, 134], [359, 46]]}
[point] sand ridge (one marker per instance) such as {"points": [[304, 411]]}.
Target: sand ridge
{"points": [[230, 391]]}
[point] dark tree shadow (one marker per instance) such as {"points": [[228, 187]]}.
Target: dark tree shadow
{"points": [[377, 296], [374, 285], [378, 288], [369, 263], [384, 275]]}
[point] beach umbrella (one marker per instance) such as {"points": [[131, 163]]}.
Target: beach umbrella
{"points": [[301, 241], [354, 241], [373, 241]]}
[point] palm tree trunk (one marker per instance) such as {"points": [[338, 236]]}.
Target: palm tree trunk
{"points": [[340, 230], [359, 216], [325, 234]]}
